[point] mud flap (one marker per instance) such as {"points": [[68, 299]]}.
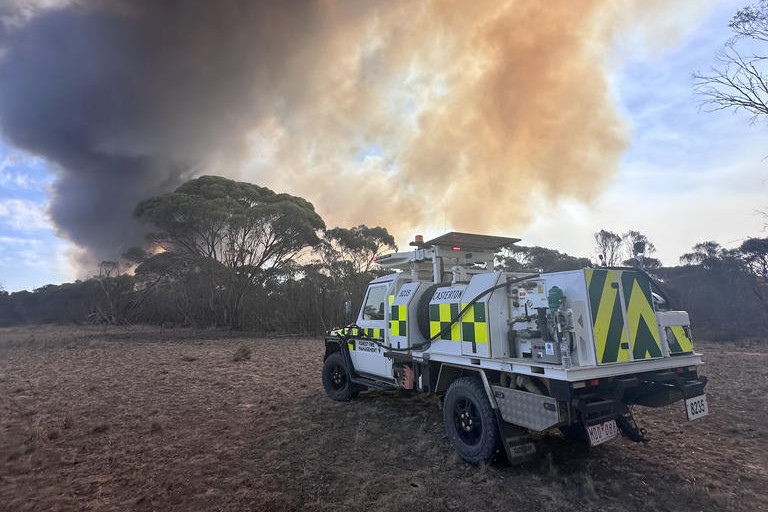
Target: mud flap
{"points": [[518, 443]]}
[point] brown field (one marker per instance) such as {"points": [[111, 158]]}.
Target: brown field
{"points": [[150, 419]]}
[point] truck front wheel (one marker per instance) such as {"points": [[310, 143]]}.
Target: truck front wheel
{"points": [[336, 379], [470, 422]]}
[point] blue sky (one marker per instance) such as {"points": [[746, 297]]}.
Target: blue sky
{"points": [[30, 253], [687, 177]]}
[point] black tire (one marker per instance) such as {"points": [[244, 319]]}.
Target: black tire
{"points": [[336, 379], [470, 422]]}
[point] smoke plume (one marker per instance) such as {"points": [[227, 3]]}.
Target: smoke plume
{"points": [[407, 114]]}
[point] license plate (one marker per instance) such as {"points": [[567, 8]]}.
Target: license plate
{"points": [[603, 432], [696, 407]]}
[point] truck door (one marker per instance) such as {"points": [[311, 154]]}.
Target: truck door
{"points": [[367, 355]]}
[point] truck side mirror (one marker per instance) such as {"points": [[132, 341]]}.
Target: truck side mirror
{"points": [[347, 311]]}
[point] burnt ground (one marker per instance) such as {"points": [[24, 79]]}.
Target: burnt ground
{"points": [[149, 419]]}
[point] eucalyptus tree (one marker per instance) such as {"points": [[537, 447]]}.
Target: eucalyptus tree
{"points": [[354, 249], [236, 234], [707, 254], [754, 252], [517, 258]]}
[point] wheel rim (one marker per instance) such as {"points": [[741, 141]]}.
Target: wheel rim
{"points": [[467, 421], [338, 376]]}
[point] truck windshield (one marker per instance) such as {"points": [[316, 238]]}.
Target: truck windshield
{"points": [[374, 303]]}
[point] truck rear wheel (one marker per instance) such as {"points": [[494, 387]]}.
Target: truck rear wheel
{"points": [[470, 422], [336, 379]]}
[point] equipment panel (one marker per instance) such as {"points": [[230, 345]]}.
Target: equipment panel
{"points": [[443, 310], [400, 322]]}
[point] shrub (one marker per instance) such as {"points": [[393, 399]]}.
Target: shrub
{"points": [[243, 353]]}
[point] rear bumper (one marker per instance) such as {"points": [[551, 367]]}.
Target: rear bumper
{"points": [[602, 400]]}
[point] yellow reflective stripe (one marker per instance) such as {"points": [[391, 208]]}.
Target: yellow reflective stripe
{"points": [[434, 329], [603, 320], [373, 333], [637, 309], [481, 332], [682, 338], [606, 312]]}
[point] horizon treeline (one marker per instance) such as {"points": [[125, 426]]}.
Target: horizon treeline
{"points": [[235, 255]]}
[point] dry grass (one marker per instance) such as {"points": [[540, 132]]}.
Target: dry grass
{"points": [[151, 419]]}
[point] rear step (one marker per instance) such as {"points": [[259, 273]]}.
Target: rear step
{"points": [[595, 410], [372, 383]]}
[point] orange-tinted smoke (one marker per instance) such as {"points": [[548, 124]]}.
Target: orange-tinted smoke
{"points": [[474, 116]]}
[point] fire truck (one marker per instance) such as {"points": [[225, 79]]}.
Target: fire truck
{"points": [[515, 353]]}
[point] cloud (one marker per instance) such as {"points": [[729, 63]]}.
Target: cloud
{"points": [[23, 215], [32, 258], [14, 14], [15, 170], [16, 241], [19, 180]]}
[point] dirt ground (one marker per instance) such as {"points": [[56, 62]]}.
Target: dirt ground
{"points": [[149, 419]]}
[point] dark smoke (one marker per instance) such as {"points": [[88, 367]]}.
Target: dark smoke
{"points": [[128, 99]]}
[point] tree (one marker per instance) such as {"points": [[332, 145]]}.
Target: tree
{"points": [[357, 246], [705, 254], [724, 297], [167, 289], [639, 249], [725, 302], [608, 245], [115, 288], [234, 233], [739, 81], [346, 267], [518, 258], [754, 252]]}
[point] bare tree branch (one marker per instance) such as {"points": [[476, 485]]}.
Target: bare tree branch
{"points": [[737, 81]]}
